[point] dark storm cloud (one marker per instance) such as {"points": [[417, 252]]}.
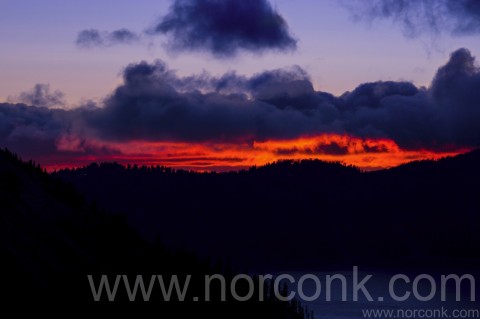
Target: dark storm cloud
{"points": [[223, 27], [456, 92], [40, 96], [150, 106], [155, 104], [444, 115], [95, 38], [371, 94], [421, 16]]}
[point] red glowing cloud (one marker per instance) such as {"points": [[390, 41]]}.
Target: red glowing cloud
{"points": [[367, 154]]}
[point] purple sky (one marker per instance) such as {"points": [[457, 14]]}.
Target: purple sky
{"points": [[38, 46]]}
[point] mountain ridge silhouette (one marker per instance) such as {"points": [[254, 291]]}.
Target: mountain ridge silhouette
{"points": [[302, 214]]}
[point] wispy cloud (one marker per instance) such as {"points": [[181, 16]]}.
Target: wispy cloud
{"points": [[40, 96], [455, 17], [94, 38]]}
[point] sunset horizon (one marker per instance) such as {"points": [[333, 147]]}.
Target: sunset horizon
{"points": [[270, 116], [367, 155], [260, 95], [270, 159]]}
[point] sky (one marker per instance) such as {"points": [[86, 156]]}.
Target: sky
{"points": [[219, 85]]}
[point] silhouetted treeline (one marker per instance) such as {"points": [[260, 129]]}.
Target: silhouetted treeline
{"points": [[51, 239], [302, 214]]}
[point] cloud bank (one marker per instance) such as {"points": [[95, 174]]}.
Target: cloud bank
{"points": [[155, 105]]}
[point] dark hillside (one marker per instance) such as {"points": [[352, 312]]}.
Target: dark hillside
{"points": [[307, 214]]}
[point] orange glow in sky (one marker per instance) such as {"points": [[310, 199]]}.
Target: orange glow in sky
{"points": [[367, 154]]}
